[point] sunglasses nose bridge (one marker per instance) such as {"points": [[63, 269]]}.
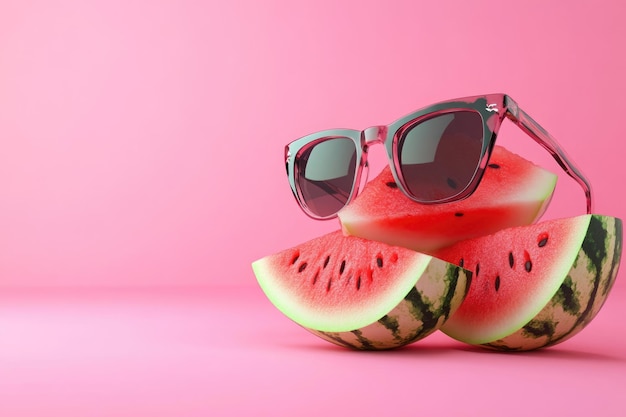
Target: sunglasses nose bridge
{"points": [[374, 134], [371, 136]]}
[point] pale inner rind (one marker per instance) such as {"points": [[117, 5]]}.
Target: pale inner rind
{"points": [[339, 318]]}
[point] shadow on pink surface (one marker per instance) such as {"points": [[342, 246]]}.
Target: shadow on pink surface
{"points": [[228, 351], [451, 348]]}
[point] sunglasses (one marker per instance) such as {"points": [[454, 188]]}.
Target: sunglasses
{"points": [[437, 154]]}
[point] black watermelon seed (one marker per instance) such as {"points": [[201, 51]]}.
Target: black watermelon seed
{"points": [[451, 183], [458, 214], [477, 269], [330, 280], [358, 283], [543, 240], [497, 282], [528, 265], [494, 166], [511, 260], [379, 261], [342, 267], [317, 274], [302, 267], [392, 184], [326, 261], [461, 262]]}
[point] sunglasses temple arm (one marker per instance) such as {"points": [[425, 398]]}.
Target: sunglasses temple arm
{"points": [[541, 136]]}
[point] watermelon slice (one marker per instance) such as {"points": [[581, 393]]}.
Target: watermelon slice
{"points": [[537, 285], [362, 294], [513, 192]]}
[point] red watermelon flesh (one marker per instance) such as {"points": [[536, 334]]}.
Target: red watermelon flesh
{"points": [[360, 293], [536, 285], [513, 192]]}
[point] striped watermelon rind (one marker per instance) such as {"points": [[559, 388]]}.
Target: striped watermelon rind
{"points": [[420, 313], [336, 287]]}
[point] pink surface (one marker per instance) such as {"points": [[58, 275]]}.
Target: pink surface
{"points": [[141, 146], [169, 353]]}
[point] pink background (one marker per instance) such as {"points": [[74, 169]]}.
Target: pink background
{"points": [[142, 147]]}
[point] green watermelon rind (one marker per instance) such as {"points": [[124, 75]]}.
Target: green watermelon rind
{"points": [[422, 312]]}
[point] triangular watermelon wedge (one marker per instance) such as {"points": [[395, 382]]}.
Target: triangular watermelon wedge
{"points": [[537, 285], [513, 192], [362, 294]]}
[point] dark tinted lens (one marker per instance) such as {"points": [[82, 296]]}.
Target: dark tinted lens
{"points": [[439, 156], [326, 175]]}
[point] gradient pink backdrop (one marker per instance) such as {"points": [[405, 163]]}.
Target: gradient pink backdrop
{"points": [[141, 146], [142, 141]]}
